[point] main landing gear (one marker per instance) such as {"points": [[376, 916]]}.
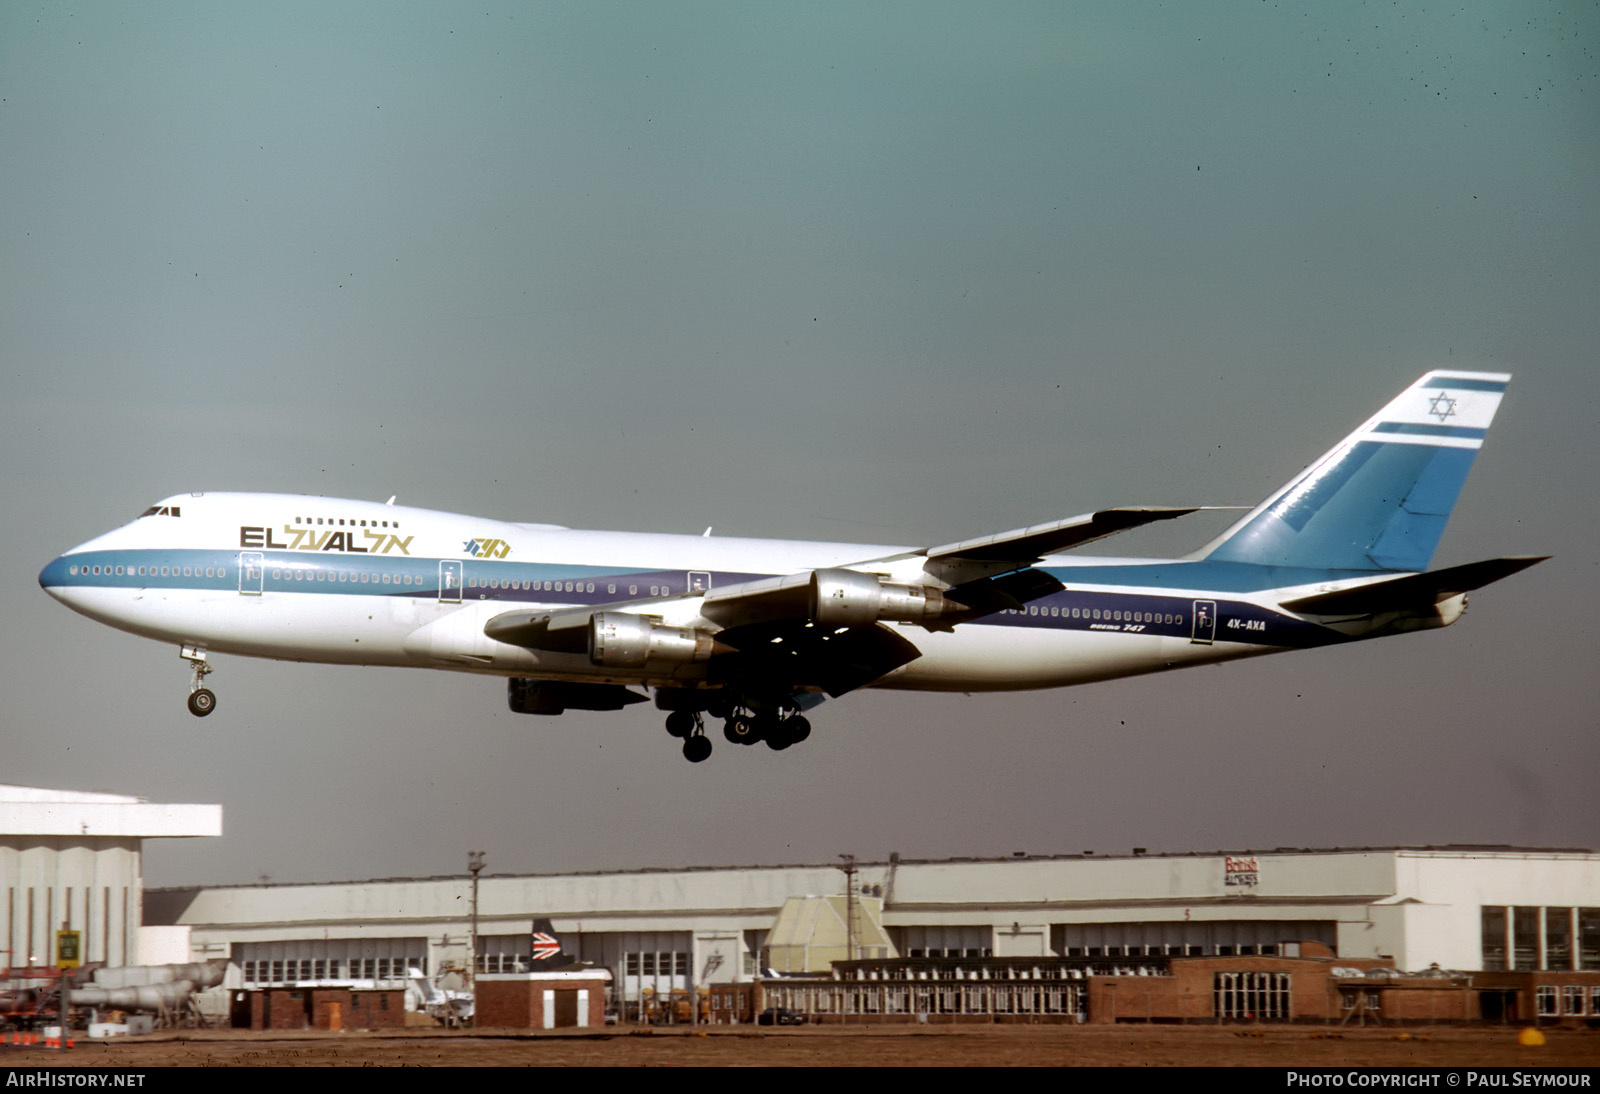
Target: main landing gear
{"points": [[202, 700], [691, 727], [779, 726], [778, 729]]}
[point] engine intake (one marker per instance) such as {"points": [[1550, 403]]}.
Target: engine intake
{"points": [[846, 598], [624, 640]]}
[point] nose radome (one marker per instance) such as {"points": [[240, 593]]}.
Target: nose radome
{"points": [[53, 577]]}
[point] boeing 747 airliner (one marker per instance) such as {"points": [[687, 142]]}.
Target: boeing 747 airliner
{"points": [[754, 632]]}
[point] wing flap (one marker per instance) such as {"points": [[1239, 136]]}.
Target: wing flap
{"points": [[798, 655]]}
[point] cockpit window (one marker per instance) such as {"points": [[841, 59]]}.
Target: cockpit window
{"points": [[161, 511]]}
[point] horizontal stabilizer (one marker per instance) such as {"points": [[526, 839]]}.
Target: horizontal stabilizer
{"points": [[1413, 590]]}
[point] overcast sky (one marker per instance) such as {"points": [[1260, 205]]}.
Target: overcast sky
{"points": [[901, 273]]}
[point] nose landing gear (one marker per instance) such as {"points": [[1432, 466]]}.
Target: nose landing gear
{"points": [[202, 700]]}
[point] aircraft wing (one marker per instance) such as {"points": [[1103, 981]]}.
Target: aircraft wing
{"points": [[986, 555], [821, 628], [791, 655], [826, 628], [771, 642]]}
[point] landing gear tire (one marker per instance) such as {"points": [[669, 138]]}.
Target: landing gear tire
{"points": [[782, 733], [740, 730], [682, 723], [697, 748], [775, 733], [202, 701]]}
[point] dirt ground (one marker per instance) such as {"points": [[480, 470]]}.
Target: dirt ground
{"points": [[897, 1046]]}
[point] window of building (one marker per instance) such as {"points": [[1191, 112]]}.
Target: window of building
{"points": [[1257, 995], [1525, 939], [1545, 1000], [1558, 938], [1494, 939], [1589, 938]]}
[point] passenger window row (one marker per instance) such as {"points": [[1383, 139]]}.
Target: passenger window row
{"points": [[1107, 614], [349, 522], [558, 586], [150, 571], [363, 577]]}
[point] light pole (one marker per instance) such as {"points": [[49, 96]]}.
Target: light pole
{"points": [[849, 869], [475, 865]]}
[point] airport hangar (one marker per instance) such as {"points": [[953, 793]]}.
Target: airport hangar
{"points": [[662, 930], [75, 857]]}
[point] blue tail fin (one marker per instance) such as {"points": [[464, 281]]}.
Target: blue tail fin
{"points": [[1380, 499]]}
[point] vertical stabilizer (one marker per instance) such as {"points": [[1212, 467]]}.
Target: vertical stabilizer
{"points": [[1380, 499]]}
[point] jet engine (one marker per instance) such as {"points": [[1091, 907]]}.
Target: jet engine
{"points": [[624, 640], [846, 598]]}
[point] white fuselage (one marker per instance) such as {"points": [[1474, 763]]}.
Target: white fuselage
{"points": [[355, 582]]}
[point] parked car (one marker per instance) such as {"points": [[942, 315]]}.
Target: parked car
{"points": [[780, 1016]]}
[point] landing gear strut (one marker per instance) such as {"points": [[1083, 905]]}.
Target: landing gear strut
{"points": [[202, 700]]}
